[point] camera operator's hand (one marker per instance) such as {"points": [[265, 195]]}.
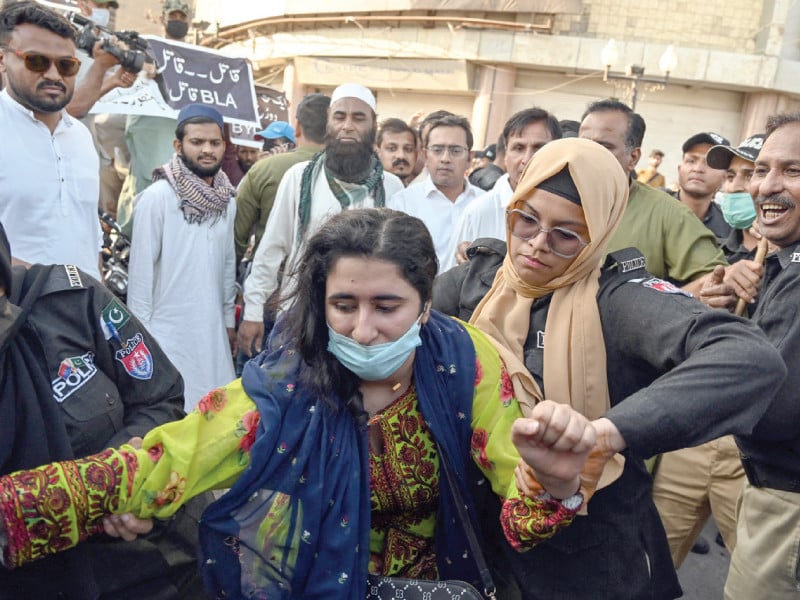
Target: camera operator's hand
{"points": [[150, 70], [102, 57], [120, 78]]}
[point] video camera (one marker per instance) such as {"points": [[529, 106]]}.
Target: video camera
{"points": [[133, 59]]}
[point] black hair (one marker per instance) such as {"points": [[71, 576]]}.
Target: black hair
{"points": [[520, 120], [378, 233], [423, 126], [634, 136], [451, 120], [500, 146], [312, 114], [32, 13], [180, 130], [777, 121], [394, 126]]}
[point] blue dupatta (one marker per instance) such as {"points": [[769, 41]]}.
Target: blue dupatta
{"points": [[296, 524]]}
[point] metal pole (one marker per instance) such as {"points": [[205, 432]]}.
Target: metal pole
{"points": [[634, 91]]}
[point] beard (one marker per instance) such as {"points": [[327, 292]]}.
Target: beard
{"points": [[349, 160], [199, 169], [42, 104]]}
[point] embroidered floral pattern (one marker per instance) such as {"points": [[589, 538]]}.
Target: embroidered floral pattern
{"points": [[246, 429], [478, 371], [480, 438], [526, 521], [212, 403], [404, 479], [173, 491], [156, 452], [55, 506], [506, 388]]}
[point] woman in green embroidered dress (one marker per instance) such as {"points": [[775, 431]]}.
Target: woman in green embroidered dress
{"points": [[333, 440]]}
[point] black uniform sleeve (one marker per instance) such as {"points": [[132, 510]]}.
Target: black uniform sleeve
{"points": [[458, 291], [150, 387], [447, 290], [713, 373]]}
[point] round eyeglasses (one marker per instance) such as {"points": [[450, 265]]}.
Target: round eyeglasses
{"points": [[562, 242]]}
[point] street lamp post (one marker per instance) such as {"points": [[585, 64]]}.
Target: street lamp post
{"points": [[634, 74]]}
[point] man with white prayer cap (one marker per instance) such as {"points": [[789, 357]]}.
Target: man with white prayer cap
{"points": [[347, 174]]}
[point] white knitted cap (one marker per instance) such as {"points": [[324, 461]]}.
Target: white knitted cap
{"points": [[355, 90]]}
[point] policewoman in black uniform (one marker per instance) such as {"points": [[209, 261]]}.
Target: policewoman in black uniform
{"points": [[78, 374], [653, 367]]}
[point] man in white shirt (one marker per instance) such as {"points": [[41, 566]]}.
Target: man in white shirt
{"points": [[397, 148], [182, 275], [348, 174], [48, 164], [440, 199], [524, 134]]}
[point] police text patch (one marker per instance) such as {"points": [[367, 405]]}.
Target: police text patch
{"points": [[73, 373], [74, 276]]}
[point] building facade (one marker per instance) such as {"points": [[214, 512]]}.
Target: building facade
{"points": [[738, 61]]}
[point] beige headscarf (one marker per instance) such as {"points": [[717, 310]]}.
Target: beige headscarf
{"points": [[574, 354]]}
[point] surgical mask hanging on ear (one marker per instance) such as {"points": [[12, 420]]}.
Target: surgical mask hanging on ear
{"points": [[177, 29], [374, 363], [738, 209], [101, 17]]}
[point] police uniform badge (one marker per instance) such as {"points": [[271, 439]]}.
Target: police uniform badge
{"points": [[136, 358], [73, 374], [665, 287]]}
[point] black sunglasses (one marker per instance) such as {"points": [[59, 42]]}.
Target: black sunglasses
{"points": [[67, 66]]}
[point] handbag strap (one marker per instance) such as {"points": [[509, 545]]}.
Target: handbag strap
{"points": [[489, 588]]}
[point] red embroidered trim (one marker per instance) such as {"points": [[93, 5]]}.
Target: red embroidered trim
{"points": [[17, 534], [526, 521]]}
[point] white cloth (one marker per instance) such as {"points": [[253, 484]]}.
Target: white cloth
{"points": [[182, 286], [279, 241], [440, 214], [49, 189], [486, 217]]}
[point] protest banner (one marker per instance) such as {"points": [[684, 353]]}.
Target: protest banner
{"points": [[272, 106], [188, 74]]}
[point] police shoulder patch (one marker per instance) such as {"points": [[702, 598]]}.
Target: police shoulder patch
{"points": [[665, 287], [136, 358], [113, 318]]}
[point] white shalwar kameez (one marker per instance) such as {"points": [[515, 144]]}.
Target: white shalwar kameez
{"points": [[182, 286]]}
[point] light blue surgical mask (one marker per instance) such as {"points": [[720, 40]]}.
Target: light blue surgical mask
{"points": [[738, 209], [101, 16], [378, 362]]}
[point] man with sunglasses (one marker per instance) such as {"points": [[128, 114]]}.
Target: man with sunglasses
{"points": [[48, 163], [440, 199]]}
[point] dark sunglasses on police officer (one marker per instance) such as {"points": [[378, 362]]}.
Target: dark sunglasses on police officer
{"points": [[67, 66]]}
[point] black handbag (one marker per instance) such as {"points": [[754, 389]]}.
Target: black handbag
{"points": [[386, 588], [390, 588]]}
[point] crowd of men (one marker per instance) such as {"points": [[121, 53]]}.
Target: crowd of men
{"points": [[196, 221]]}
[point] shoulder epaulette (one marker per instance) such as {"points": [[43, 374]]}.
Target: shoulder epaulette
{"points": [[626, 260]]}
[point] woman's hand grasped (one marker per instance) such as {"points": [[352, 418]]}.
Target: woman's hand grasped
{"points": [[554, 443]]}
